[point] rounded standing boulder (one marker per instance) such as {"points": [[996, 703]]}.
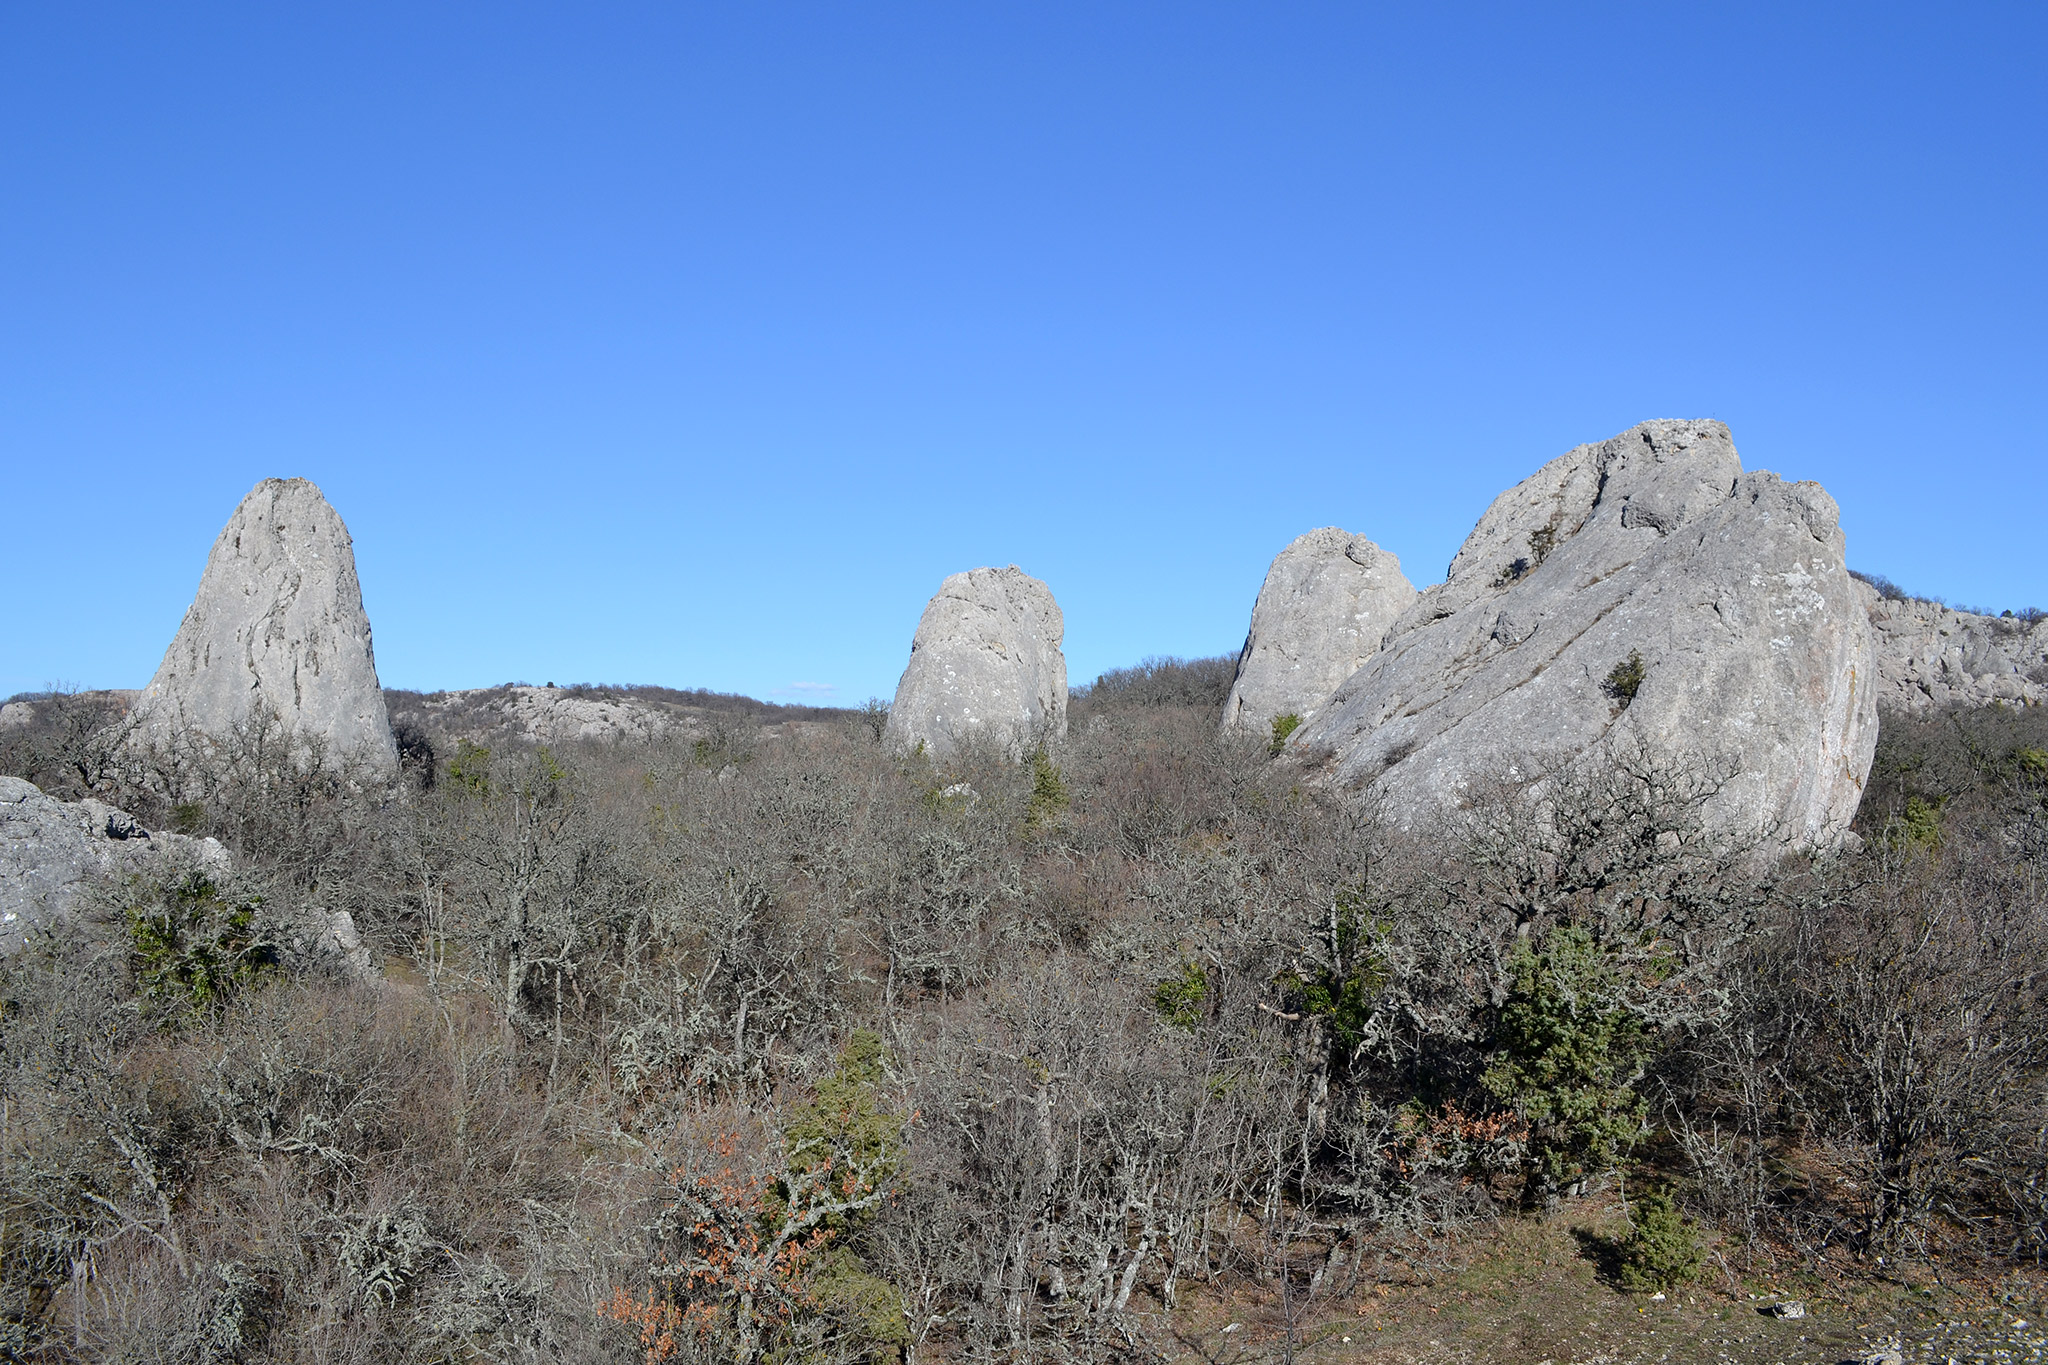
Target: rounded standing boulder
{"points": [[1326, 602], [985, 669]]}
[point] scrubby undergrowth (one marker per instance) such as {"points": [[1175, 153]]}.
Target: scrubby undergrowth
{"points": [[789, 1050]]}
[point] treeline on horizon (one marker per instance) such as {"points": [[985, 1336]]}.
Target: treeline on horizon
{"points": [[731, 1048]]}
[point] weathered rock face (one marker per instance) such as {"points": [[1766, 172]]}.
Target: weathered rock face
{"points": [[277, 625], [1929, 655], [49, 849], [985, 666], [1327, 600], [1729, 587], [550, 717], [517, 714], [52, 852]]}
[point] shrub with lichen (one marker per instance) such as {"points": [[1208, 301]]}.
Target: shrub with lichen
{"points": [[194, 946]]}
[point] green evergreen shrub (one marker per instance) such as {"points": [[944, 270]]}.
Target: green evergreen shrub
{"points": [[1918, 826], [1048, 792], [1179, 999], [193, 947], [1626, 680], [1568, 1054], [469, 772], [1662, 1250], [849, 1131]]}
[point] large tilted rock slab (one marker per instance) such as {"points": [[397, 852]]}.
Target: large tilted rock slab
{"points": [[1932, 656], [51, 849], [985, 667], [1729, 587], [277, 626], [1326, 602]]}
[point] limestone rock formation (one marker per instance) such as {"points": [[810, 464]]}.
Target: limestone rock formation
{"points": [[1326, 602], [518, 714], [1642, 590], [985, 666], [1929, 655], [277, 626], [549, 716], [50, 849]]}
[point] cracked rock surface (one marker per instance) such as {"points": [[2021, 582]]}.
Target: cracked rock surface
{"points": [[985, 667], [277, 625], [1326, 602], [1724, 592], [1929, 655], [50, 849]]}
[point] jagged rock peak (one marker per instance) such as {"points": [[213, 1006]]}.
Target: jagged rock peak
{"points": [[985, 667], [1326, 601], [276, 627], [1640, 591]]}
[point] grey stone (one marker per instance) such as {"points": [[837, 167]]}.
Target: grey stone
{"points": [[50, 850], [277, 625], [985, 667], [516, 714], [1933, 656], [1729, 587], [1326, 602], [553, 717], [311, 939]]}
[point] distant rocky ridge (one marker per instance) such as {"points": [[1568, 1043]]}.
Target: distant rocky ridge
{"points": [[23, 711], [1326, 601], [1638, 591], [520, 714], [1932, 656], [985, 667], [276, 628]]}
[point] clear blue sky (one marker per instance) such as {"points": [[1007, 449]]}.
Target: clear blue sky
{"points": [[694, 343]]}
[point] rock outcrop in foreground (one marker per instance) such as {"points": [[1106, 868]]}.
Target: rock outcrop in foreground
{"points": [[1326, 602], [277, 626], [50, 849], [985, 667], [1929, 655], [1644, 590], [52, 853]]}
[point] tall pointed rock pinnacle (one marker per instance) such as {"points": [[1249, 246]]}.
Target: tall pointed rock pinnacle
{"points": [[276, 628]]}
